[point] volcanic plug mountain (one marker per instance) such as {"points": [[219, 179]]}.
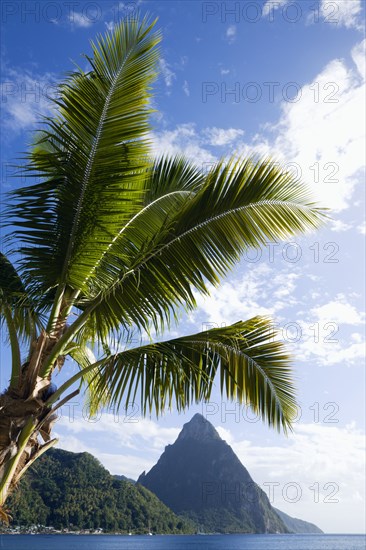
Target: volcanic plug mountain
{"points": [[200, 477]]}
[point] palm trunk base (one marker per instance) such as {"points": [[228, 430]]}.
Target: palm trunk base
{"points": [[23, 423]]}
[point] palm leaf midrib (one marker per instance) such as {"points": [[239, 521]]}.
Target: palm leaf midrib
{"points": [[195, 228], [91, 159], [249, 359], [136, 216]]}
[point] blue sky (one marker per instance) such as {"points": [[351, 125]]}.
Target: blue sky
{"points": [[281, 78]]}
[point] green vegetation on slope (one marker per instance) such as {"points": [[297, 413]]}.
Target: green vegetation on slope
{"points": [[74, 491], [296, 525]]}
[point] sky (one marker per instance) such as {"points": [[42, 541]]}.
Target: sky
{"points": [[280, 78]]}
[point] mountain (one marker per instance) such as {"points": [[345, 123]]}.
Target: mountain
{"points": [[295, 525], [201, 478], [198, 477], [74, 491]]}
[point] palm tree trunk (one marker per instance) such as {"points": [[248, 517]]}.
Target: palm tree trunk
{"points": [[23, 424], [26, 419]]}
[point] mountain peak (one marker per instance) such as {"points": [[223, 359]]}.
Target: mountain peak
{"points": [[198, 428], [201, 477]]}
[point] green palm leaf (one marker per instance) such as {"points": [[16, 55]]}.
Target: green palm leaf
{"points": [[253, 369], [92, 159], [15, 300], [170, 182], [17, 312], [149, 270], [85, 358]]}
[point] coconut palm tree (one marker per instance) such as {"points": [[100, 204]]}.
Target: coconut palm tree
{"points": [[107, 243]]}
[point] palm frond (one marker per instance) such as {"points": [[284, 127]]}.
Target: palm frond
{"points": [[15, 300], [170, 183], [253, 368], [158, 262], [92, 161], [170, 174]]}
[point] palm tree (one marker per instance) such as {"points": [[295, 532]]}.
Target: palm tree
{"points": [[108, 242]]}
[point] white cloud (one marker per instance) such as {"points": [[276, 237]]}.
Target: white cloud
{"points": [[272, 5], [168, 75], [194, 143], [183, 140], [356, 337], [182, 62], [25, 98], [231, 33], [327, 137], [259, 291], [323, 132], [323, 337], [79, 20], [319, 335], [339, 311], [186, 88], [313, 456], [339, 226], [225, 434], [121, 463], [329, 353], [362, 228], [340, 13], [359, 58], [109, 25], [220, 136], [134, 438], [343, 13]]}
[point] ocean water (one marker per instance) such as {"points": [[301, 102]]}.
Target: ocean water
{"points": [[183, 542]]}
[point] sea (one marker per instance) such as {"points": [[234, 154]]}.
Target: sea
{"points": [[183, 542]]}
